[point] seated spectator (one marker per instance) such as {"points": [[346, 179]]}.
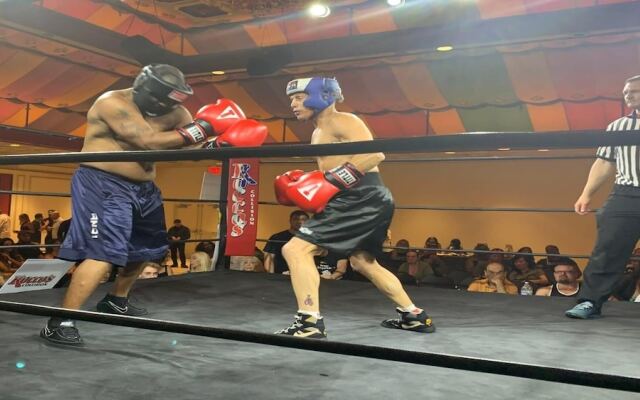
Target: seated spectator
{"points": [[567, 275], [633, 264], [497, 255], [49, 253], [200, 262], [150, 271], [331, 266], [547, 264], [524, 270], [430, 256], [207, 247], [10, 257], [494, 282], [628, 289], [432, 243], [384, 258], [400, 251], [253, 263], [24, 238], [455, 244], [476, 264], [413, 271], [274, 262]]}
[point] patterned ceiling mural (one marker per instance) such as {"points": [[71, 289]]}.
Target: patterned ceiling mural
{"points": [[558, 84]]}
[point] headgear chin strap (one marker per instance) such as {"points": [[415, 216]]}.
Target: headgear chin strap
{"points": [[159, 88], [321, 92]]}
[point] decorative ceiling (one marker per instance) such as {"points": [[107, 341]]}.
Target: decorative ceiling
{"points": [[517, 65]]}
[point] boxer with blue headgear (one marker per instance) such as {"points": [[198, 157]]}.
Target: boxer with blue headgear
{"points": [[352, 212], [321, 92]]}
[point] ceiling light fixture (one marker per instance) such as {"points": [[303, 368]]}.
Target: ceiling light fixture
{"points": [[395, 3], [217, 72], [318, 10], [15, 145], [444, 48]]}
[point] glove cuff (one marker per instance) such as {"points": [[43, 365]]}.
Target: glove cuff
{"points": [[193, 133], [344, 176]]}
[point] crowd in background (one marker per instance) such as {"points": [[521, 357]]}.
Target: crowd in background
{"points": [[485, 269]]}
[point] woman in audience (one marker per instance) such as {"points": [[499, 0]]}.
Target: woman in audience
{"points": [[10, 257], [200, 262], [524, 270]]}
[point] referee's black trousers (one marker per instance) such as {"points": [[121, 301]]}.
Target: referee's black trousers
{"points": [[618, 224]]}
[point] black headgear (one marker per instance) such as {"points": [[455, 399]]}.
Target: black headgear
{"points": [[159, 88]]}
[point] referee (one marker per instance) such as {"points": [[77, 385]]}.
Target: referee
{"points": [[618, 220]]}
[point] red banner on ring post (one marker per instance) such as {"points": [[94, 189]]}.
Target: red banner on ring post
{"points": [[242, 207]]}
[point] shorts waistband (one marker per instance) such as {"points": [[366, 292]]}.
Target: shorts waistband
{"points": [[113, 175], [371, 179]]}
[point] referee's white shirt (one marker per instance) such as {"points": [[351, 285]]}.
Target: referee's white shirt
{"points": [[627, 158]]}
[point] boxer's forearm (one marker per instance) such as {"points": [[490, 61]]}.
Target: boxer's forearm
{"points": [[366, 162]]}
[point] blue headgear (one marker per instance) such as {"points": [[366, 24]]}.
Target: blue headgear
{"points": [[322, 92]]}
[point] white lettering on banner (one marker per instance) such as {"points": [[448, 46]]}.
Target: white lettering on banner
{"points": [[241, 180], [309, 191], [94, 225], [228, 113]]}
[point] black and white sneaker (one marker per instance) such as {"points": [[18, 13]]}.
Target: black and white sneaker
{"points": [[410, 321], [120, 306], [61, 332], [305, 326]]}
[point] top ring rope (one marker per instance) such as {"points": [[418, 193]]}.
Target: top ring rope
{"points": [[475, 141]]}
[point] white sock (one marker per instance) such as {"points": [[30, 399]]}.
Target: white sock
{"points": [[315, 314], [410, 308]]}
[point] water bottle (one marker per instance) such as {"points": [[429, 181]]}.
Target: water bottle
{"points": [[527, 289]]}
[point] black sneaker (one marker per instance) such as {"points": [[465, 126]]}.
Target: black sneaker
{"points": [[64, 332], [109, 305], [411, 322], [306, 326]]}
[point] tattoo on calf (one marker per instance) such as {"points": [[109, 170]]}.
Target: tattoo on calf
{"points": [[308, 300]]}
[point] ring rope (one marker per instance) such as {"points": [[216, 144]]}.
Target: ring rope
{"points": [[499, 367], [476, 141], [273, 203]]}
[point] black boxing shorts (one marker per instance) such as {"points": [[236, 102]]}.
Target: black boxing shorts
{"points": [[355, 219]]}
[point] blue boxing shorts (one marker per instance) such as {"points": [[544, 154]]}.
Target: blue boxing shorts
{"points": [[116, 220]]}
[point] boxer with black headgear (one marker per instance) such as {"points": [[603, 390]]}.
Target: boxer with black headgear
{"points": [[160, 88], [118, 217], [352, 207]]}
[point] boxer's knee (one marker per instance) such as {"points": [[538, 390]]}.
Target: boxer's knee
{"points": [[297, 250]]}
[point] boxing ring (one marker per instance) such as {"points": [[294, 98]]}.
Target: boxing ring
{"points": [[209, 334]]}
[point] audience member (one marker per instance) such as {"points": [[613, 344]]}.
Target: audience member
{"points": [[628, 289], [177, 234], [207, 247], [567, 275], [494, 282], [430, 256], [413, 271], [253, 263], [25, 223], [455, 244], [497, 255], [273, 260], [5, 225], [200, 262], [633, 264], [24, 238], [390, 259], [331, 266], [10, 257], [52, 227], [524, 270], [476, 264], [63, 229], [38, 221], [150, 271], [546, 264]]}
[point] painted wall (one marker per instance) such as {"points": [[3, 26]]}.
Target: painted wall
{"points": [[544, 184]]}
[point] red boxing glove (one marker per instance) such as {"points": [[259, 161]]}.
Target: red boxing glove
{"points": [[281, 185], [211, 120], [312, 191], [244, 133]]}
